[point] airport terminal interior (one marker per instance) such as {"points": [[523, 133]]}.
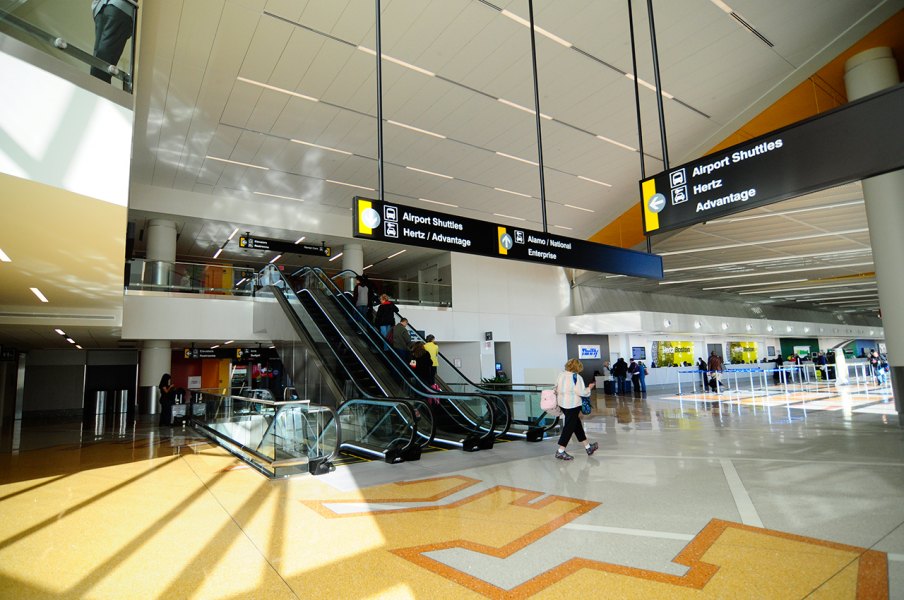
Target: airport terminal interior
{"points": [[285, 286]]}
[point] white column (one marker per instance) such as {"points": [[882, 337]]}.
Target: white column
{"points": [[154, 361], [352, 260], [865, 73], [161, 251]]}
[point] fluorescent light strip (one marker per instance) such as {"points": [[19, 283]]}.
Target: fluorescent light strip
{"points": [[418, 129], [539, 30], [564, 227], [301, 239], [509, 217], [278, 256], [278, 196], [511, 192], [218, 252], [769, 260], [766, 274], [440, 203], [232, 235], [649, 86], [579, 208], [321, 147], [70, 340], [430, 173], [235, 162], [594, 180], [396, 254], [366, 268], [846, 300], [619, 144], [723, 6], [518, 158], [360, 187], [764, 242], [335, 257], [4, 257], [809, 287], [38, 293], [61, 332], [806, 294], [785, 212], [742, 285], [229, 342], [397, 61], [215, 346], [277, 89], [79, 347], [524, 108]]}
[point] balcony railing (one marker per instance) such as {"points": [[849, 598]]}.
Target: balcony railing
{"points": [[66, 29]]}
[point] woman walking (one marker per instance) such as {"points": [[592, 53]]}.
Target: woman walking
{"points": [[570, 390]]}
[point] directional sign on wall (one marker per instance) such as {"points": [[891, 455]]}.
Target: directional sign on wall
{"points": [[861, 139], [390, 222], [249, 242]]}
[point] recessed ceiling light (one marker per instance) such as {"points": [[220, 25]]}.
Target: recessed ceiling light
{"points": [[508, 217], [215, 346], [666, 323], [61, 332], [769, 328], [367, 267], [579, 208], [523, 108], [336, 256], [613, 142], [748, 327], [430, 172], [79, 347], [232, 235], [275, 258], [235, 162], [436, 202], [218, 252], [697, 324], [4, 257], [360, 187], [649, 86], [278, 196], [594, 181], [304, 143], [300, 240], [229, 342], [418, 129], [724, 325], [511, 192], [277, 89], [539, 30], [396, 254], [397, 61], [518, 158], [38, 293], [70, 340], [564, 227]]}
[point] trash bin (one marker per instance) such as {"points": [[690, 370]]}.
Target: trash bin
{"points": [[121, 401], [147, 401], [99, 403]]}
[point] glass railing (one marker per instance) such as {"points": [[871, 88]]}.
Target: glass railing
{"points": [[279, 439], [402, 291], [389, 430], [189, 278], [66, 29]]}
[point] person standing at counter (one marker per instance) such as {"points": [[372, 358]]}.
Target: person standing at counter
{"points": [[641, 377], [701, 366], [715, 368], [620, 372]]}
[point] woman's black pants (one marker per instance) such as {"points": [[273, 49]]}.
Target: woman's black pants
{"points": [[572, 426]]}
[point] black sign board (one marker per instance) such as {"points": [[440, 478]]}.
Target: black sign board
{"points": [[389, 222], [236, 354], [8, 354], [249, 242], [861, 139]]}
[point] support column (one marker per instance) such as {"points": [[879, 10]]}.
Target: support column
{"points": [[352, 260], [161, 251], [155, 360], [865, 73]]}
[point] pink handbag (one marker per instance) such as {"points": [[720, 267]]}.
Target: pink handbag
{"points": [[549, 403]]}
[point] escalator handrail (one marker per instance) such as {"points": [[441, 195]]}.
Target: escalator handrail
{"points": [[411, 417], [407, 377]]}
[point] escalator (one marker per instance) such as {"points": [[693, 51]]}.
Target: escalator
{"points": [[521, 402], [467, 421], [374, 425]]}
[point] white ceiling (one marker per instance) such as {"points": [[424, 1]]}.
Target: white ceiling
{"points": [[201, 96]]}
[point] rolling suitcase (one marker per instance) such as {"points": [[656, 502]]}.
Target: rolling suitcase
{"points": [[608, 387], [627, 386]]}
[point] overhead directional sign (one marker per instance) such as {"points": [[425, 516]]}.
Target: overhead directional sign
{"points": [[390, 222], [238, 354], [249, 242], [861, 139]]}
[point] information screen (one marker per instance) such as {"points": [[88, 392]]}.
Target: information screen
{"points": [[390, 222]]}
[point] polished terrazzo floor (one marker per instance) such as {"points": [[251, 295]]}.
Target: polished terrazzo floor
{"points": [[690, 496]]}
